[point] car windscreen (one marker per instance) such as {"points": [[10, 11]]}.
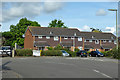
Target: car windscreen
{"points": [[63, 51], [5, 48], [84, 52]]}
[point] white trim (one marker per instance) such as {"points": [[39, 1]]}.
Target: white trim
{"points": [[40, 37], [47, 37], [79, 38], [56, 38], [104, 41], [97, 42], [90, 40]]}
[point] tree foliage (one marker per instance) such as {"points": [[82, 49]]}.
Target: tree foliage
{"points": [[57, 23], [95, 30], [15, 35]]}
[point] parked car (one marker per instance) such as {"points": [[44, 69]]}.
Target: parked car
{"points": [[64, 53], [5, 51], [96, 54], [82, 53]]}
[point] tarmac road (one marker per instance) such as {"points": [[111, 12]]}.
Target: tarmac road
{"points": [[59, 67]]}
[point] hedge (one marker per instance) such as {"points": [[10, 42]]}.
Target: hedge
{"points": [[23, 52], [51, 53]]}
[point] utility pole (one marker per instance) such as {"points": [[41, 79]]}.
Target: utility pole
{"points": [[116, 27]]}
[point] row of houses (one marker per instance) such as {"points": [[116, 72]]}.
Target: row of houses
{"points": [[42, 37]]}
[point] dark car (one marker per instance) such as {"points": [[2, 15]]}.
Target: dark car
{"points": [[82, 53], [96, 54]]}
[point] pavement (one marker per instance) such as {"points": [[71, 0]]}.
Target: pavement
{"points": [[59, 67]]}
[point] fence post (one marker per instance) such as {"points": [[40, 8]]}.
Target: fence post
{"points": [[13, 52]]}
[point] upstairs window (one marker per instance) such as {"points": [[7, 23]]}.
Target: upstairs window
{"points": [[115, 42], [47, 37], [79, 39], [96, 41], [72, 37], [40, 37], [56, 38], [110, 41], [104, 41], [90, 40], [65, 37]]}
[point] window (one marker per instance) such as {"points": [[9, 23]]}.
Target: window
{"points": [[96, 41], [111, 37], [104, 41], [65, 37], [110, 40], [40, 37], [115, 42], [79, 39], [72, 37], [90, 40], [85, 40], [47, 37], [56, 38]]}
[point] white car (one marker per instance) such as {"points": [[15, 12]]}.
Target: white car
{"points": [[5, 50], [64, 53]]}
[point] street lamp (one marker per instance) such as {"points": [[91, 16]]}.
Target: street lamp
{"points": [[116, 26]]}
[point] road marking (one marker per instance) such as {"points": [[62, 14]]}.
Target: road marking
{"points": [[101, 73]]}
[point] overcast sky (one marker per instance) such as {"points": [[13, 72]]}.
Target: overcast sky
{"points": [[81, 15]]}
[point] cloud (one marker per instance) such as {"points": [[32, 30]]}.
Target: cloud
{"points": [[14, 10], [101, 12], [52, 6], [110, 30], [84, 28]]}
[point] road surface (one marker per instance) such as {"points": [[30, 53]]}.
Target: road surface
{"points": [[59, 67]]}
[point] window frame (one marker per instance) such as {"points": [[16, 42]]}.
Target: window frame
{"points": [[47, 37], [97, 42], [79, 38], [55, 38], [40, 37]]}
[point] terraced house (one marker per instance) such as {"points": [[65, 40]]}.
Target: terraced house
{"points": [[42, 37]]}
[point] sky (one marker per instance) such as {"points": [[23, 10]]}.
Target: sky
{"points": [[81, 15]]}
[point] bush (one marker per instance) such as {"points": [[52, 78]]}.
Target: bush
{"points": [[51, 53], [72, 54], [50, 48], [24, 52], [58, 47], [76, 49], [116, 53]]}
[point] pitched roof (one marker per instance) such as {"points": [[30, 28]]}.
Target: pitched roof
{"points": [[54, 31], [97, 35]]}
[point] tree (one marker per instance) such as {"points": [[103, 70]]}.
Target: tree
{"points": [[95, 30], [16, 32], [57, 23]]}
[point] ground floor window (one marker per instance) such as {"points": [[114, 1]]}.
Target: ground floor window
{"points": [[87, 49], [41, 48], [69, 48], [107, 49]]}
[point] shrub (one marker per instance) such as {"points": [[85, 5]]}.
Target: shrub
{"points": [[72, 54], [51, 53], [76, 49], [23, 52], [50, 48], [116, 53], [58, 47]]}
